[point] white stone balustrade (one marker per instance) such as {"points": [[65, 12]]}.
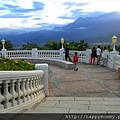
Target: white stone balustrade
{"points": [[49, 54], [18, 53], [84, 56], [81, 54], [18, 88]]}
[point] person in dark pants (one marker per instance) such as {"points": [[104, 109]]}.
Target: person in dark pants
{"points": [[67, 54], [93, 56]]}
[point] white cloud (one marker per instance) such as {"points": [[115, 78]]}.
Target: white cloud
{"points": [[102, 5], [53, 10]]}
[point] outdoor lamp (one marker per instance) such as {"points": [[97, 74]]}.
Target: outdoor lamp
{"points": [[62, 41], [3, 42], [114, 40]]}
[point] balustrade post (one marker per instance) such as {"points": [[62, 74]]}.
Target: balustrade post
{"points": [[88, 55], [61, 54], [3, 53], [111, 59], [34, 53], [44, 67]]}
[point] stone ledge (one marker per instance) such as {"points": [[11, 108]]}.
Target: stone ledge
{"points": [[61, 63]]}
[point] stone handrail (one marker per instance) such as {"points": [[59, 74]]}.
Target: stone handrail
{"points": [[61, 63], [20, 88]]}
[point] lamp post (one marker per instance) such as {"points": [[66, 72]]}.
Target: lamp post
{"points": [[3, 42], [114, 40], [62, 41]]}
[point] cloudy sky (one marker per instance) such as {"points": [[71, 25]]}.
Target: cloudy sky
{"points": [[46, 14]]}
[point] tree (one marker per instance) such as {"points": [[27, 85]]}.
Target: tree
{"points": [[82, 46], [8, 45], [29, 46], [118, 48], [73, 45], [52, 45]]}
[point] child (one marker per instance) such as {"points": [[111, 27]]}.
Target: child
{"points": [[75, 60]]}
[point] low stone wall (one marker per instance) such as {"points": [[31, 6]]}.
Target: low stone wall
{"points": [[61, 63]]}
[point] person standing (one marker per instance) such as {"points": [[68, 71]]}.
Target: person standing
{"points": [[67, 53], [75, 61], [98, 54], [104, 56], [93, 56]]}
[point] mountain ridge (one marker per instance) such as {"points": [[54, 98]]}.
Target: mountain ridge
{"points": [[91, 29]]}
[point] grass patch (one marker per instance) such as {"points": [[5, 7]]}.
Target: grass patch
{"points": [[13, 65]]}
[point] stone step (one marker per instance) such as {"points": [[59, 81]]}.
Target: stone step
{"points": [[76, 105]]}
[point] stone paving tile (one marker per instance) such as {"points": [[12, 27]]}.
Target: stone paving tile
{"points": [[89, 99], [115, 103], [98, 107], [75, 102], [84, 94], [48, 104], [60, 98], [111, 99], [69, 105], [110, 108], [113, 108]]}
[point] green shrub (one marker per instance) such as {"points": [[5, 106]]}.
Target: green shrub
{"points": [[7, 64]]}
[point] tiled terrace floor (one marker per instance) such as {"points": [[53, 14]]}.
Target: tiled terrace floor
{"points": [[88, 81]]}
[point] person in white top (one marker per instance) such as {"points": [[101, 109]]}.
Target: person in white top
{"points": [[98, 54], [105, 56]]}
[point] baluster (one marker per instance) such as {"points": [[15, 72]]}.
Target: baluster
{"points": [[20, 93], [31, 87], [27, 88], [38, 84], [13, 93], [2, 98], [23, 88], [6, 94], [34, 86], [37, 87]]}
